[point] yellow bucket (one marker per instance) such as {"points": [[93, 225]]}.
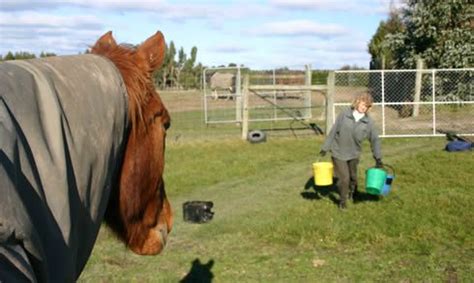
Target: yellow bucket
{"points": [[323, 172]]}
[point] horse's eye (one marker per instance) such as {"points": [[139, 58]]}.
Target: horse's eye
{"points": [[167, 124]]}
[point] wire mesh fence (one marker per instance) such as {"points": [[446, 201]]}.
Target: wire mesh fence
{"points": [[412, 102], [407, 103]]}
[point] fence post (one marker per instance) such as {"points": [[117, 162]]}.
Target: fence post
{"points": [[433, 94], [204, 94], [382, 77], [330, 101], [238, 97], [419, 73], [275, 102], [245, 114], [307, 99]]}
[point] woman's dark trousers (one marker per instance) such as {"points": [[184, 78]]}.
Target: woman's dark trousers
{"points": [[346, 173]]}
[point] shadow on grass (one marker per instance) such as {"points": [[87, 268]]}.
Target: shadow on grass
{"points": [[320, 191], [363, 197], [331, 192], [199, 272]]}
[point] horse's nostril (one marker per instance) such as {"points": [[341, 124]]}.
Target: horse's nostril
{"points": [[163, 234]]}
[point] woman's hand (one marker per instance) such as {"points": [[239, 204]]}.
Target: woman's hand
{"points": [[378, 163]]}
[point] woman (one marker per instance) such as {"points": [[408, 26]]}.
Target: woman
{"points": [[344, 141]]}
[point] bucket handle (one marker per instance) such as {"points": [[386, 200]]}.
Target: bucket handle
{"points": [[384, 167], [319, 158], [389, 167]]}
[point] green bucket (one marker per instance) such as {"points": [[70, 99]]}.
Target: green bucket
{"points": [[375, 180]]}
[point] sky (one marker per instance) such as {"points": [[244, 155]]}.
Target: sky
{"points": [[260, 34]]}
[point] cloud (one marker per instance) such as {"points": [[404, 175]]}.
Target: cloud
{"points": [[280, 34], [339, 46], [320, 53], [229, 49], [300, 28], [34, 19], [23, 5], [165, 9], [312, 4], [36, 42], [352, 6], [36, 32], [317, 60], [168, 11]]}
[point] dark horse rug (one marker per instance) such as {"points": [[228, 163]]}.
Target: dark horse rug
{"points": [[62, 126]]}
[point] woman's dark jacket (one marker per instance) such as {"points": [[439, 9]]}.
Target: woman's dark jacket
{"points": [[346, 137]]}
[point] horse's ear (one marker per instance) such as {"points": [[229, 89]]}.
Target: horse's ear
{"points": [[153, 50], [210, 263], [104, 42]]}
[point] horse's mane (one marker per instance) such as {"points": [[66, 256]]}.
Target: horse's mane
{"points": [[136, 80]]}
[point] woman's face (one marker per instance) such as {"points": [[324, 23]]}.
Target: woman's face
{"points": [[362, 107]]}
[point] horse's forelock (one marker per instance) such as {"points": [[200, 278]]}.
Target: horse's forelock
{"points": [[136, 76]]}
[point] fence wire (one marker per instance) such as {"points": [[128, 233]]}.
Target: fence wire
{"points": [[411, 102]]}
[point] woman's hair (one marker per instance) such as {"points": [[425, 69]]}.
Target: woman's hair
{"points": [[363, 97]]}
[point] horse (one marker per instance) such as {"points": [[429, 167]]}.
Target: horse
{"points": [[223, 83], [82, 141]]}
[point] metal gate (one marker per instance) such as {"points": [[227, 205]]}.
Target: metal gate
{"points": [[222, 95], [268, 100]]}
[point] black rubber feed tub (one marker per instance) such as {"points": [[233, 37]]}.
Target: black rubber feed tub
{"points": [[198, 211]]}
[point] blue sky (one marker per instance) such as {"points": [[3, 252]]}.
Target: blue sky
{"points": [[258, 34]]}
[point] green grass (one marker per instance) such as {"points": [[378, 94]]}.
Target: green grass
{"points": [[271, 225]]}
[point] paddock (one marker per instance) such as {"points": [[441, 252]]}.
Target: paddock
{"points": [[272, 225]]}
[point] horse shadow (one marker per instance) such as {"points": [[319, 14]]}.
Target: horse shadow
{"points": [[331, 192], [199, 272]]}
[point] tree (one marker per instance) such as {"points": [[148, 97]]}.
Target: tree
{"points": [[24, 55], [382, 56], [349, 67], [164, 76], [192, 60], [440, 32], [181, 73], [198, 75], [9, 56], [180, 65], [47, 54], [190, 76]]}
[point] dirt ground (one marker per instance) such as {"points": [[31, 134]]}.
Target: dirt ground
{"points": [[460, 120], [182, 100]]}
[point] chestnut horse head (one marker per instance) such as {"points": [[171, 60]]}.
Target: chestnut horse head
{"points": [[139, 211]]}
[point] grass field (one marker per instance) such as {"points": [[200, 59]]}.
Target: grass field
{"points": [[272, 225]]}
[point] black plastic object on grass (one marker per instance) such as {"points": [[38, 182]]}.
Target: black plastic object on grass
{"points": [[198, 211]]}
